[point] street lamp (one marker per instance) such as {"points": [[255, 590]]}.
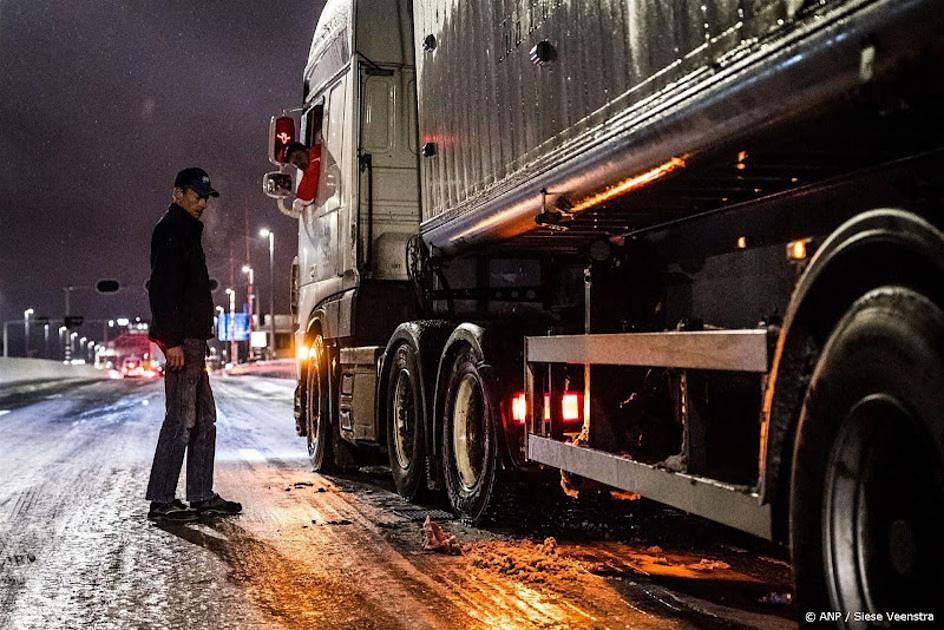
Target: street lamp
{"points": [[62, 340], [72, 339], [231, 329], [26, 316], [248, 270], [267, 233]]}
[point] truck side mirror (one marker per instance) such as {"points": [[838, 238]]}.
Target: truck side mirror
{"points": [[278, 185], [281, 134]]}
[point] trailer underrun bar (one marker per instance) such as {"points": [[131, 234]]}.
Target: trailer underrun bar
{"points": [[731, 350]]}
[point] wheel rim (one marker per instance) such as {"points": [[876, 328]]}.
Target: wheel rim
{"points": [[467, 424], [404, 419], [879, 547], [315, 396]]}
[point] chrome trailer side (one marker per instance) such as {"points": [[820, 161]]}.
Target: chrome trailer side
{"points": [[614, 103]]}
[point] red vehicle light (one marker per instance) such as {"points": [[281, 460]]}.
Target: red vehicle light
{"points": [[282, 134], [571, 405], [519, 408]]}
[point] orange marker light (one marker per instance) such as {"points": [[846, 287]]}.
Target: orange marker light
{"points": [[796, 250]]}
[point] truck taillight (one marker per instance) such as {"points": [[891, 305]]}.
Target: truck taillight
{"points": [[519, 408], [571, 405]]}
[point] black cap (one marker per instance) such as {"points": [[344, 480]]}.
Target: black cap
{"points": [[197, 180]]}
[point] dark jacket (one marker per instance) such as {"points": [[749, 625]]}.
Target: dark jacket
{"points": [[179, 288]]}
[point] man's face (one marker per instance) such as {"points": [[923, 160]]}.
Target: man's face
{"points": [[298, 159], [190, 201]]}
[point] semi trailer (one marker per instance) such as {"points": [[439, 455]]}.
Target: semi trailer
{"points": [[687, 250]]}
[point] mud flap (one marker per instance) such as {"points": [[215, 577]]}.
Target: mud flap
{"points": [[299, 413]]}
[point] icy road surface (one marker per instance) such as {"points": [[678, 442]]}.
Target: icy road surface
{"points": [[343, 552]]}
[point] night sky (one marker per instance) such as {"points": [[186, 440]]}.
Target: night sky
{"points": [[101, 103]]}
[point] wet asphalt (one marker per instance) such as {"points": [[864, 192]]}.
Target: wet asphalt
{"points": [[77, 551]]}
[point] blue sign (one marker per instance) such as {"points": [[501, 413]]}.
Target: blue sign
{"points": [[233, 327]]}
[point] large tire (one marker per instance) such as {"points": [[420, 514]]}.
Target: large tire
{"points": [[867, 495], [469, 446], [406, 431], [320, 433]]}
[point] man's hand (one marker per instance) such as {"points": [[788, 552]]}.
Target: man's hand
{"points": [[175, 358]]}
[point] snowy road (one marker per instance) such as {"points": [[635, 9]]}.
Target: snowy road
{"points": [[310, 551]]}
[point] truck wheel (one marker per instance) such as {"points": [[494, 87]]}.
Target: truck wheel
{"points": [[469, 449], [867, 496], [317, 393], [405, 428]]}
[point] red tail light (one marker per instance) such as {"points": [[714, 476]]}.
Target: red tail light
{"points": [[519, 408], [571, 406]]}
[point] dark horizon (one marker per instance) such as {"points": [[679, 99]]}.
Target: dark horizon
{"points": [[101, 107]]}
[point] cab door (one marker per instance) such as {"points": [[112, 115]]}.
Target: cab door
{"points": [[388, 204]]}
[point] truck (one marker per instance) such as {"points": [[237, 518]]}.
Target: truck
{"points": [[692, 251], [132, 355]]}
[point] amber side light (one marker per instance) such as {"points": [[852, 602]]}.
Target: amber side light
{"points": [[797, 250]]}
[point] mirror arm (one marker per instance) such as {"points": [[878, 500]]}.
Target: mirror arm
{"points": [[288, 211]]}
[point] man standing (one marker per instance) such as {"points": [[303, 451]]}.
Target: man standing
{"points": [[181, 322]]}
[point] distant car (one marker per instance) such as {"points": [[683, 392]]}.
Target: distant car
{"points": [[136, 367]]}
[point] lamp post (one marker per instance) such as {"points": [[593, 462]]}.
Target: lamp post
{"points": [[220, 320], [46, 340], [72, 339], [62, 340], [26, 332], [231, 329], [248, 270], [267, 233]]}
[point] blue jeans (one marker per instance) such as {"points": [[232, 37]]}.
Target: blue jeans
{"points": [[189, 425]]}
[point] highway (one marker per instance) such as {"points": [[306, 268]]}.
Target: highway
{"points": [[76, 549]]}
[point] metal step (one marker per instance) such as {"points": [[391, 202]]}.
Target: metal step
{"points": [[735, 350], [730, 505]]}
